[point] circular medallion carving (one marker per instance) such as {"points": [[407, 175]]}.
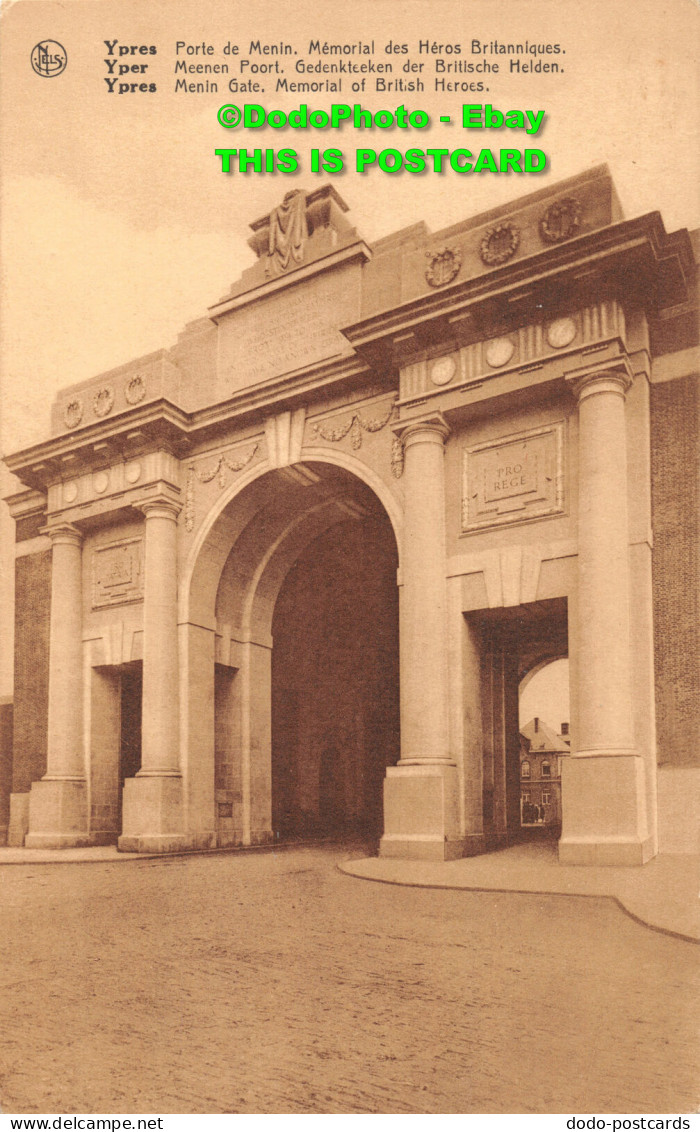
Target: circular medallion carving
{"points": [[133, 472], [103, 401], [561, 221], [73, 412], [135, 390], [499, 351], [561, 332], [444, 266], [100, 481], [443, 371], [70, 491], [499, 244]]}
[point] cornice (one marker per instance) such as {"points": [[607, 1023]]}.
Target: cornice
{"points": [[163, 425], [160, 424], [357, 250], [24, 504], [636, 259]]}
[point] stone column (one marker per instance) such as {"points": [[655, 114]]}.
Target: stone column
{"points": [[420, 794], [603, 783], [152, 812], [58, 816]]}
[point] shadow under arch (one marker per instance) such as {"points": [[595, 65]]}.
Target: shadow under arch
{"points": [[215, 530], [248, 545]]}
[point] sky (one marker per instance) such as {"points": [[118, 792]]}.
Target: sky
{"points": [[546, 695], [118, 226]]}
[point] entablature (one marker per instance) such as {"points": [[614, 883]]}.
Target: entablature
{"points": [[521, 362], [115, 490], [161, 425], [635, 262]]}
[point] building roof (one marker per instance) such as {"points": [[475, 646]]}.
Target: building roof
{"points": [[543, 739]]}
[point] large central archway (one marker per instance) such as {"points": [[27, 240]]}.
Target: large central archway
{"points": [[293, 622], [335, 710]]}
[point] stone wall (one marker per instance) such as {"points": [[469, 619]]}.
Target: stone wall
{"points": [[5, 765], [32, 624], [675, 443]]}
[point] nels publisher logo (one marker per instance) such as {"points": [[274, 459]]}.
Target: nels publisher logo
{"points": [[49, 58]]}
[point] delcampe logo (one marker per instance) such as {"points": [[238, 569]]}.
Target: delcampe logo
{"points": [[49, 58]]}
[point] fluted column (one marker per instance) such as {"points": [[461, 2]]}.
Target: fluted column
{"points": [[152, 817], [420, 794], [603, 786], [58, 804]]}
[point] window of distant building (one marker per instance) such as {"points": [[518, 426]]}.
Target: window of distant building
{"points": [[524, 770], [546, 770], [526, 798], [545, 799]]}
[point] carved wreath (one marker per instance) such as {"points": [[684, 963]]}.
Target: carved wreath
{"points": [[217, 470], [561, 221], [103, 401], [223, 462], [135, 390], [500, 243], [73, 412], [355, 427], [444, 266]]}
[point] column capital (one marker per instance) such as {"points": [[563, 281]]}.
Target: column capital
{"points": [[159, 507], [429, 423], [66, 533], [615, 377]]}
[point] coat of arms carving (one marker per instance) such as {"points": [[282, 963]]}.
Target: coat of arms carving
{"points": [[561, 221], [443, 267]]}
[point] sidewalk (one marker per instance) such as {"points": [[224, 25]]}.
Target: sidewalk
{"points": [[664, 894]]}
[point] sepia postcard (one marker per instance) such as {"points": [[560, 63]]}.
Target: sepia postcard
{"points": [[349, 562]]}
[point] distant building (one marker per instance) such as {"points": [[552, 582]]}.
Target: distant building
{"points": [[541, 752]]}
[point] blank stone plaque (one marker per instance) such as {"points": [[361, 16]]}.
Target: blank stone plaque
{"points": [[513, 478]]}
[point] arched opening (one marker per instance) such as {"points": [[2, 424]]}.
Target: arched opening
{"points": [[335, 725], [544, 743], [297, 580], [515, 643]]}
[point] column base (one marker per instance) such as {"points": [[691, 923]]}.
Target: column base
{"points": [[419, 848], [610, 851], [152, 816], [420, 813], [604, 812], [18, 827], [153, 843], [58, 814]]}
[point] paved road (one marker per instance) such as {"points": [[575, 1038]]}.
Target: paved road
{"points": [[275, 984]]}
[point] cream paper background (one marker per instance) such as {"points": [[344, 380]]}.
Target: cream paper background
{"points": [[118, 225]]}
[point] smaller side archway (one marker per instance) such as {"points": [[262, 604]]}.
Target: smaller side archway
{"points": [[515, 642], [544, 743]]}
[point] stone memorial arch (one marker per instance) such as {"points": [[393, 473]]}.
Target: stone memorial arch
{"points": [[283, 578]]}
